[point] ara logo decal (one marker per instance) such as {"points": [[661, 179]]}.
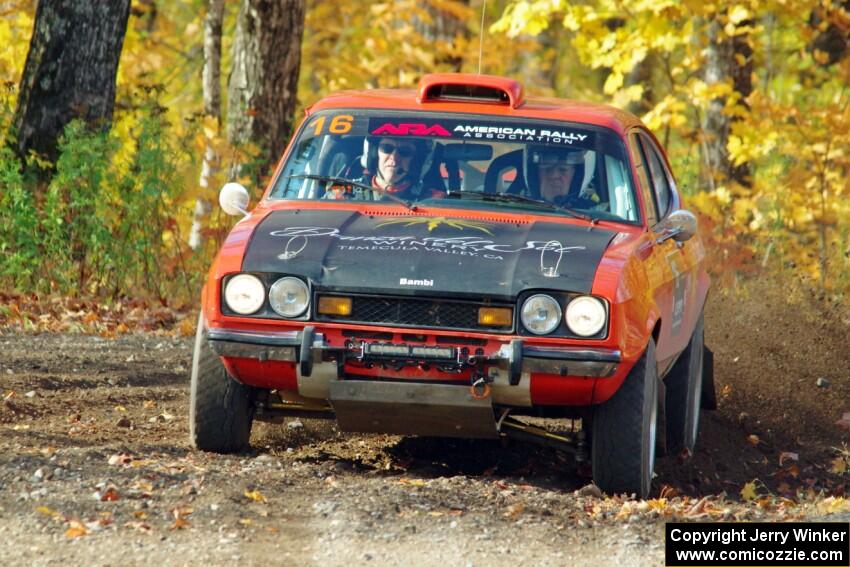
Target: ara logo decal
{"points": [[423, 283], [410, 130]]}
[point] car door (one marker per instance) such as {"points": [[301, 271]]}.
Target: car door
{"points": [[670, 266]]}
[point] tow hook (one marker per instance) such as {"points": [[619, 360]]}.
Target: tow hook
{"points": [[479, 389]]}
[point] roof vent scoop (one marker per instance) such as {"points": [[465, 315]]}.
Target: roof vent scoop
{"points": [[465, 87]]}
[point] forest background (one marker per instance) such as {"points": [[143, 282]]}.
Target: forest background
{"points": [[749, 98]]}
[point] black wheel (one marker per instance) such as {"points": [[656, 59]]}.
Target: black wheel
{"points": [[220, 408], [684, 394], [624, 432]]}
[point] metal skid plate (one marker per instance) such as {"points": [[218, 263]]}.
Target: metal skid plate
{"points": [[437, 410]]}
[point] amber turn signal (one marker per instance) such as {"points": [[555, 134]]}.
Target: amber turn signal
{"points": [[496, 316], [340, 306]]}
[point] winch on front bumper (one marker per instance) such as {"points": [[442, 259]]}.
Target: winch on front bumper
{"points": [[307, 348]]}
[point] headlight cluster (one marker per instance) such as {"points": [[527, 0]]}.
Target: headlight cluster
{"points": [[585, 316], [245, 294]]}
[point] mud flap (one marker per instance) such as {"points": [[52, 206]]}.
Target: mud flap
{"points": [[709, 393], [437, 410]]}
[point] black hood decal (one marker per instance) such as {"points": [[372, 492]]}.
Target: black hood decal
{"points": [[348, 251]]}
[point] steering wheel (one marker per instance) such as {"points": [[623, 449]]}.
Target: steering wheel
{"points": [[575, 202]]}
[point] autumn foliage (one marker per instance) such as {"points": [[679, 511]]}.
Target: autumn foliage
{"points": [[749, 97]]}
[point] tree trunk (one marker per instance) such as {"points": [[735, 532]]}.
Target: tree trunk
{"points": [[741, 66], [727, 60], [264, 77], [70, 70], [641, 74], [444, 25], [832, 40], [212, 114]]}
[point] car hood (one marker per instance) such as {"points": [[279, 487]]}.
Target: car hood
{"points": [[343, 250]]}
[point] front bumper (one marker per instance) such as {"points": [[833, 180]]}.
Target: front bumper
{"points": [[307, 348]]}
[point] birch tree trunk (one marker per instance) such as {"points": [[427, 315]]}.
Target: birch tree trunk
{"points": [[264, 78], [70, 70], [728, 59], [212, 115]]}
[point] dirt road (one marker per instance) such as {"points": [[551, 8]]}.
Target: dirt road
{"points": [[95, 467]]}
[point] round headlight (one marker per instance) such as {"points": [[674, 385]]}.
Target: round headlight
{"points": [[244, 294], [289, 297], [540, 314], [586, 316]]}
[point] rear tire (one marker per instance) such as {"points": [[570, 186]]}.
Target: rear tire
{"points": [[221, 410], [624, 432], [684, 386]]}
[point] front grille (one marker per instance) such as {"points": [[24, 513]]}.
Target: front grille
{"points": [[416, 312]]}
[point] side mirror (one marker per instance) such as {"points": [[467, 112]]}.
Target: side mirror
{"points": [[680, 225], [234, 199]]}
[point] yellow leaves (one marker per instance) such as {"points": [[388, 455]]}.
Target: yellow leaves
{"points": [[722, 195], [526, 17], [613, 82], [47, 512], [833, 505], [412, 482], [669, 112], [739, 13], [702, 93], [706, 203], [76, 529], [748, 492], [255, 496], [15, 30], [839, 465], [742, 210], [186, 327]]}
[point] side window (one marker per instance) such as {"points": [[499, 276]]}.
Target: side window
{"points": [[643, 180], [659, 176]]}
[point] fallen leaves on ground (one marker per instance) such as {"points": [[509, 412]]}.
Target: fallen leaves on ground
{"points": [[76, 529], [514, 511], [255, 496], [748, 492], [787, 455], [180, 518], [47, 512], [412, 482], [35, 313]]}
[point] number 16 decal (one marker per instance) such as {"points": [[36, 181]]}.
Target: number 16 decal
{"points": [[340, 124]]}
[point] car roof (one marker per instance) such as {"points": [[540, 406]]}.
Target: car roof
{"points": [[512, 103]]}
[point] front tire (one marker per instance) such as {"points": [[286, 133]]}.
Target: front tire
{"points": [[221, 410], [624, 432], [684, 393]]}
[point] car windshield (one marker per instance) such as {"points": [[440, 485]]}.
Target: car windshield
{"points": [[473, 160]]}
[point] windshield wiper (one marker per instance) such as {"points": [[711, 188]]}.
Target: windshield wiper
{"points": [[343, 181], [512, 198]]}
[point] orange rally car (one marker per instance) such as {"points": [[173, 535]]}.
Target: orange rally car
{"points": [[436, 262]]}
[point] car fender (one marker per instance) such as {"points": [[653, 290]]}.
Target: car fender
{"points": [[634, 312], [228, 261]]}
